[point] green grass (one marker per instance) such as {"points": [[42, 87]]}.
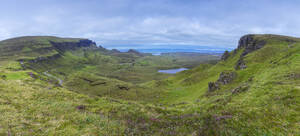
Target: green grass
{"points": [[114, 71], [31, 106], [269, 107]]}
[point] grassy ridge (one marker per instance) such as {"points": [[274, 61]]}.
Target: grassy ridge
{"points": [[30, 47]]}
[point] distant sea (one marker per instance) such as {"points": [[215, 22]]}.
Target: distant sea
{"points": [[159, 51]]}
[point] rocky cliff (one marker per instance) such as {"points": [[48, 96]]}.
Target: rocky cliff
{"points": [[63, 46], [40, 46], [250, 44]]}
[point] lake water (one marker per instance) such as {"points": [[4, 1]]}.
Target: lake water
{"points": [[172, 71]]}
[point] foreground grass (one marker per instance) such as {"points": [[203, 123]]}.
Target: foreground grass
{"points": [[34, 108]]}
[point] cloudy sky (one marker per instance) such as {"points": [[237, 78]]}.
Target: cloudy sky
{"points": [[150, 23]]}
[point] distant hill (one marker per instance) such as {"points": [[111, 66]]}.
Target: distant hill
{"points": [[40, 46]]}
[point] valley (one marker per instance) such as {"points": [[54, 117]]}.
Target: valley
{"points": [[71, 86]]}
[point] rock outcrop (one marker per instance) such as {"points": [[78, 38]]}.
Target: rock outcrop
{"points": [[249, 44], [63, 46], [81, 107], [293, 76], [3, 77], [240, 64], [123, 87], [225, 56], [212, 86], [225, 77], [60, 47], [241, 88], [32, 75]]}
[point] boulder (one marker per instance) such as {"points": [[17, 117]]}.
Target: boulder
{"points": [[80, 107], [32, 75], [212, 86], [225, 56], [240, 64], [239, 89], [250, 79], [122, 87], [226, 77], [3, 77], [293, 76]]}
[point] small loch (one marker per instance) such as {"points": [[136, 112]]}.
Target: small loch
{"points": [[172, 71]]}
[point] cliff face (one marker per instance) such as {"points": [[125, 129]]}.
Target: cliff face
{"points": [[31, 47], [63, 46], [250, 44]]}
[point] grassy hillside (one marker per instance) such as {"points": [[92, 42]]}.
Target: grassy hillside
{"points": [[262, 99], [278, 55], [253, 90], [31, 47], [80, 66]]}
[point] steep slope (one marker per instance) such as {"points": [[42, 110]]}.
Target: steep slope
{"points": [[255, 90], [252, 58], [31, 47]]}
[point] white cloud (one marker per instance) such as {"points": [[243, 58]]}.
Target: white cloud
{"points": [[131, 22]]}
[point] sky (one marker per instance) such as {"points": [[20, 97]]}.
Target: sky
{"points": [[150, 23]]}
